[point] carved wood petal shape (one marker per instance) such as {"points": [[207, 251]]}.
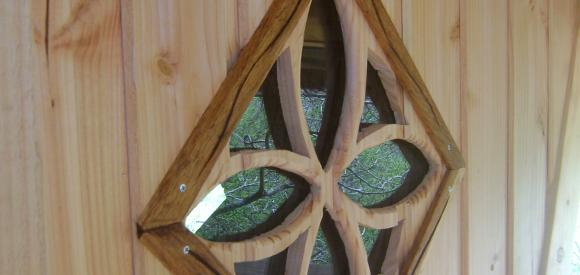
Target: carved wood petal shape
{"points": [[205, 161]]}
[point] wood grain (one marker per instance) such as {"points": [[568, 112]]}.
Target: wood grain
{"points": [[168, 244], [431, 33], [433, 217], [176, 55], [24, 102], [563, 202], [410, 80], [64, 110], [195, 160], [88, 227], [484, 80], [562, 18], [528, 126]]}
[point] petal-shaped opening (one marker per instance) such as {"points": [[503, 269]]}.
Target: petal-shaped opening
{"points": [[384, 174], [376, 243], [369, 237], [262, 124], [329, 253], [322, 75], [247, 204], [377, 107]]}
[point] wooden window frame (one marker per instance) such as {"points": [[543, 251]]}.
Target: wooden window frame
{"points": [[278, 38]]}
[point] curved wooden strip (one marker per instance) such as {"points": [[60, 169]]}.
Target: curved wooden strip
{"points": [[436, 209], [355, 47], [228, 166], [379, 218], [300, 252], [348, 228], [307, 168], [289, 85], [377, 134], [387, 217], [410, 80], [201, 150], [389, 81], [270, 243], [392, 260]]}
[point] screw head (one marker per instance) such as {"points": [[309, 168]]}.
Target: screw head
{"points": [[186, 250], [449, 147], [450, 189], [182, 187]]}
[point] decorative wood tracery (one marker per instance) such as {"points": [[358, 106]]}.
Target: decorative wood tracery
{"points": [[204, 160]]}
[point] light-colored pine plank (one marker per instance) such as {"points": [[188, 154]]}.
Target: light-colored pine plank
{"points": [[88, 226], [564, 202], [528, 106], [23, 102], [431, 34], [485, 134], [206, 142], [562, 34], [176, 55]]}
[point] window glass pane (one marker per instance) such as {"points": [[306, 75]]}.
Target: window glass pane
{"points": [[375, 174], [321, 253], [377, 107], [252, 131], [369, 237], [370, 113], [376, 242], [328, 254], [249, 203], [322, 75]]}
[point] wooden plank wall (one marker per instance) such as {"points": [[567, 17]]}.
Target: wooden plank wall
{"points": [[96, 98], [65, 200]]}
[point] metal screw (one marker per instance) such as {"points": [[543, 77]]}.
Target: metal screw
{"points": [[182, 187], [186, 250], [449, 147], [450, 189]]}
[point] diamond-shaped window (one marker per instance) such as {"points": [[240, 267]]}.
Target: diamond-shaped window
{"points": [[313, 143]]}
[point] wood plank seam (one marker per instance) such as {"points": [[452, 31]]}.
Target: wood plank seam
{"points": [[196, 159], [412, 83]]}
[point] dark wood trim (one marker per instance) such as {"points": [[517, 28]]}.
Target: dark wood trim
{"points": [[411, 81], [209, 137], [168, 242]]}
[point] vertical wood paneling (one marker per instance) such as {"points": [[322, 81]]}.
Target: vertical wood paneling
{"points": [[485, 134], [176, 55], [562, 33], [88, 226], [431, 33], [22, 100], [528, 57], [497, 70], [564, 197]]}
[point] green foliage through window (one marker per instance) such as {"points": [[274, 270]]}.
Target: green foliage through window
{"points": [[370, 112], [252, 131], [252, 197], [375, 174], [369, 237], [321, 253]]}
